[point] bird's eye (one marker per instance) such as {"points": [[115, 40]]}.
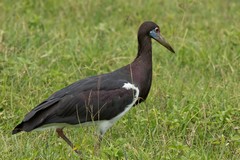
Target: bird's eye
{"points": [[156, 29]]}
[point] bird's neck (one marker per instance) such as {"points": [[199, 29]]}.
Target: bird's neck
{"points": [[144, 46], [144, 55], [142, 66]]}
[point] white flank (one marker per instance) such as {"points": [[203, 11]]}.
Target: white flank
{"points": [[106, 124]]}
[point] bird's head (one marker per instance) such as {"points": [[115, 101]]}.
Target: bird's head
{"points": [[152, 29]]}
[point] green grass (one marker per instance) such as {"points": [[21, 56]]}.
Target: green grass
{"points": [[193, 110]]}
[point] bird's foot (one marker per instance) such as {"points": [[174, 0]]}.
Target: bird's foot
{"points": [[96, 149], [75, 149]]}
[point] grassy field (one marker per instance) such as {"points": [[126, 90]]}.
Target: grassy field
{"points": [[193, 110]]}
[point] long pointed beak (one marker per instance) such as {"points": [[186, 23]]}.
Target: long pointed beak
{"points": [[163, 42]]}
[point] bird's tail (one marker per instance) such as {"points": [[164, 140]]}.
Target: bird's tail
{"points": [[18, 128]]}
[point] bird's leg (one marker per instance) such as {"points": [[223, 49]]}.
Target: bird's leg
{"points": [[62, 135], [100, 137], [98, 144]]}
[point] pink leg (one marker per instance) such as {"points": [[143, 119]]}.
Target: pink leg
{"points": [[62, 135]]}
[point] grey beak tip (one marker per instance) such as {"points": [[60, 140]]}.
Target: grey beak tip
{"points": [[171, 49]]}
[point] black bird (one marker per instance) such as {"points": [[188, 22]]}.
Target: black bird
{"points": [[101, 99]]}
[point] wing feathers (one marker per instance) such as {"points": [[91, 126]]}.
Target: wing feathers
{"points": [[78, 108]]}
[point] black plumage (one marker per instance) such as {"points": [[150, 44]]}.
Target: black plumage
{"points": [[99, 98]]}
